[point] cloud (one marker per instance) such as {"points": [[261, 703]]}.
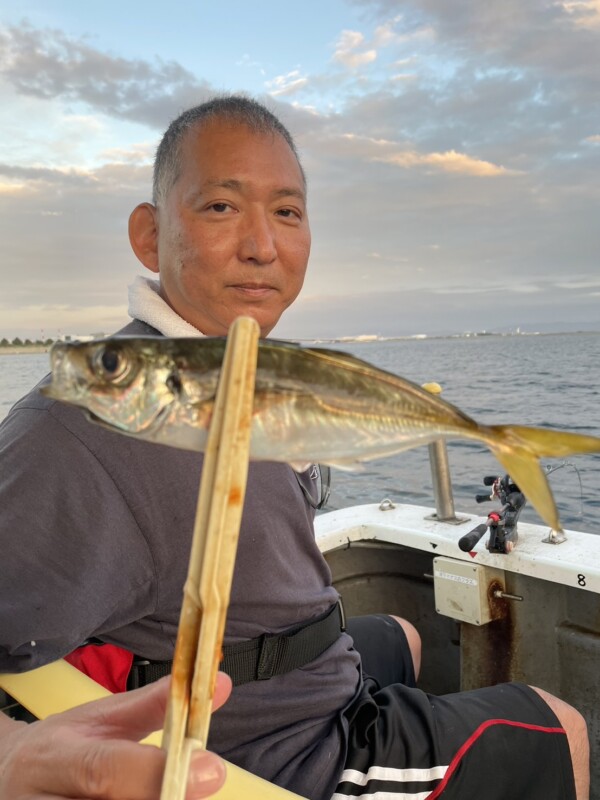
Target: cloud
{"points": [[386, 34], [43, 175], [585, 13], [392, 147], [464, 291], [576, 284], [286, 84], [409, 311], [140, 153], [61, 184], [354, 51], [48, 64], [381, 256], [546, 36], [389, 152], [247, 61], [65, 318], [12, 188], [403, 76], [347, 50], [450, 161]]}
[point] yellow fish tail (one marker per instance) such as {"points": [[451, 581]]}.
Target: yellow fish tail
{"points": [[518, 449]]}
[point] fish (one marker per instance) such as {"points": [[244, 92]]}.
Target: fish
{"points": [[311, 405]]}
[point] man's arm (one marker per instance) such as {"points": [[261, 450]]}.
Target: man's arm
{"points": [[74, 560]]}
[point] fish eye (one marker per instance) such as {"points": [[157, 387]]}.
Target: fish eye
{"points": [[111, 363]]}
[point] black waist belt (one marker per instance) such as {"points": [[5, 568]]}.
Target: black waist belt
{"points": [[277, 653], [264, 657]]}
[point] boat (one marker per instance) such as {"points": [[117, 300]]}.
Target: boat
{"points": [[528, 614], [484, 616]]}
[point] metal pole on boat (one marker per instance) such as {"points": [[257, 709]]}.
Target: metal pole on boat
{"points": [[440, 473], [442, 485]]}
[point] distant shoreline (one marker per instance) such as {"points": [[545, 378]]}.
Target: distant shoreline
{"points": [[23, 350], [425, 337], [37, 349]]}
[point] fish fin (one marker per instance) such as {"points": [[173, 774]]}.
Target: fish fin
{"points": [[547, 443], [526, 471], [300, 466], [518, 449], [345, 466]]}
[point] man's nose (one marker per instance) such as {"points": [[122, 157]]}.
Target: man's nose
{"points": [[257, 239]]}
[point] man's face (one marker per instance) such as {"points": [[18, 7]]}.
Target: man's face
{"points": [[233, 234]]}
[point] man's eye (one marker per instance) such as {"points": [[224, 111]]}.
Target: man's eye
{"points": [[288, 213], [219, 207]]}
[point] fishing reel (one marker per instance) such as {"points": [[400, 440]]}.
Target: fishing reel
{"points": [[502, 525]]}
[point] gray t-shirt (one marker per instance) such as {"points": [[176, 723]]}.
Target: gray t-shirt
{"points": [[95, 532]]}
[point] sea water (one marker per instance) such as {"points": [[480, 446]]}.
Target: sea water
{"points": [[547, 380]]}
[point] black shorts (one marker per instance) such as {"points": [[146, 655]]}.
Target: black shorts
{"points": [[383, 648], [497, 743]]}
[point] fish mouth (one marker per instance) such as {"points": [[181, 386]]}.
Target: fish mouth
{"points": [[62, 391], [149, 427], [49, 390]]}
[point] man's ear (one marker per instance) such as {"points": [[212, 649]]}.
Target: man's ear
{"points": [[143, 235]]}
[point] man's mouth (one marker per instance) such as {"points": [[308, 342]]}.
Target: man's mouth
{"points": [[253, 289]]}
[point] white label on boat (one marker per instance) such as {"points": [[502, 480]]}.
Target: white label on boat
{"points": [[449, 576]]}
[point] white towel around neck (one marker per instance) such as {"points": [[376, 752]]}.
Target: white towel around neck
{"points": [[146, 304]]}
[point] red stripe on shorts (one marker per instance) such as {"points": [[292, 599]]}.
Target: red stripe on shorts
{"points": [[462, 751]]}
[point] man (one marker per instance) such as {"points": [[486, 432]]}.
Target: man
{"points": [[92, 751], [228, 235]]}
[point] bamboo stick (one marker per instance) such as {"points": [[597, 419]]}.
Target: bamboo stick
{"points": [[212, 558]]}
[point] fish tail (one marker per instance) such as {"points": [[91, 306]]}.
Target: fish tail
{"points": [[519, 449]]}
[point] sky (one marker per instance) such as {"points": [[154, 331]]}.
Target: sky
{"points": [[452, 152]]}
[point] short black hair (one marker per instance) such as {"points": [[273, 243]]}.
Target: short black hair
{"points": [[235, 107]]}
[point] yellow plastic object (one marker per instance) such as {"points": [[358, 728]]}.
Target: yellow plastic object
{"points": [[59, 686], [432, 388], [52, 689]]}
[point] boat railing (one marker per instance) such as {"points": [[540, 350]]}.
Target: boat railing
{"points": [[442, 483], [440, 474]]}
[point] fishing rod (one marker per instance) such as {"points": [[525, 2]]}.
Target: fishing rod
{"points": [[502, 525]]}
